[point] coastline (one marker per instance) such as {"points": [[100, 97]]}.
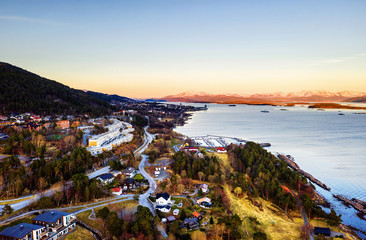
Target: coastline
{"points": [[347, 225]]}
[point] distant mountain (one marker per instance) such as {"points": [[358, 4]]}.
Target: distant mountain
{"points": [[303, 96], [109, 98], [23, 91], [361, 99]]}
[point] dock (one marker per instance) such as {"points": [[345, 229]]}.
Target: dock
{"points": [[296, 167], [214, 141], [357, 204]]}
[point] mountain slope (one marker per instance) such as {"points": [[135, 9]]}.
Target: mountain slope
{"points": [[23, 91], [109, 98]]}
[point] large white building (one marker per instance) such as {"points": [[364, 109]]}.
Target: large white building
{"points": [[118, 133]]}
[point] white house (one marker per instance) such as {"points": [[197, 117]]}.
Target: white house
{"points": [[117, 191], [163, 199], [204, 199], [130, 172], [24, 231], [165, 208], [57, 223], [204, 188], [106, 178]]}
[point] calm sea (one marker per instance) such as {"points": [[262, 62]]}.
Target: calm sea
{"points": [[330, 146]]}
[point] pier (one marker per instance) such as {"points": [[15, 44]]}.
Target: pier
{"points": [[296, 167], [357, 204]]}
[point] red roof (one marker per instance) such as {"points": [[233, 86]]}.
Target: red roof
{"points": [[195, 149], [116, 189], [221, 149], [196, 214]]}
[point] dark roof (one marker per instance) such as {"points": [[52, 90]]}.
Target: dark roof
{"points": [[50, 217], [20, 230], [106, 176], [129, 181], [320, 230], [163, 195], [190, 220], [171, 218], [165, 206]]}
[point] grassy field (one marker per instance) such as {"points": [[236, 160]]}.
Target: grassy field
{"points": [[84, 217], [80, 234], [271, 220], [127, 206]]}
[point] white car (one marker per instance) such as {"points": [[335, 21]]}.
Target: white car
{"points": [[176, 212]]}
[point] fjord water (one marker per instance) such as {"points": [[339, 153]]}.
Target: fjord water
{"points": [[329, 146]]}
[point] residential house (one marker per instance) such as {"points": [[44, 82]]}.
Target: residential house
{"points": [[24, 231], [191, 149], [204, 188], [117, 191], [171, 219], [129, 184], [163, 208], [204, 202], [3, 136], [221, 150], [322, 231], [106, 178], [190, 223], [163, 199], [3, 118], [204, 199], [57, 223], [130, 172], [63, 124], [197, 215], [115, 173]]}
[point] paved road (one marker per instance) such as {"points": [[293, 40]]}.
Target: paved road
{"points": [[143, 199], [99, 172], [21, 204], [148, 138], [88, 206]]}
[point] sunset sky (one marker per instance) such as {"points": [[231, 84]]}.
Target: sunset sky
{"points": [[143, 49]]}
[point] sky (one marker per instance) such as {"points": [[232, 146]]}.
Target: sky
{"points": [[144, 49]]}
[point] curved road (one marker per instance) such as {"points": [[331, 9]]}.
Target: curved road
{"points": [[29, 199], [143, 199]]}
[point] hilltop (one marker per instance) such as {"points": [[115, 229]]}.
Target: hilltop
{"points": [[23, 91]]}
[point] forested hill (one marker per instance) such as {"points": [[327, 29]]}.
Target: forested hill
{"points": [[23, 91], [110, 98]]}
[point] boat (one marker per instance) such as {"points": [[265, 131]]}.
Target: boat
{"points": [[265, 111], [232, 105], [341, 114], [283, 109]]}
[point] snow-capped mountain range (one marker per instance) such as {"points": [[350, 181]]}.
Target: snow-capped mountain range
{"points": [[302, 96]]}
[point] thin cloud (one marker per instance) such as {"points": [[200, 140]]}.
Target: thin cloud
{"points": [[27, 19], [340, 59]]}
